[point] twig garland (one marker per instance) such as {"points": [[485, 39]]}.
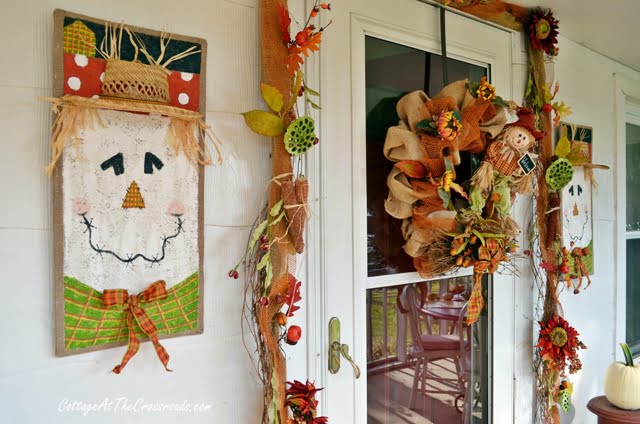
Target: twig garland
{"points": [[277, 235]]}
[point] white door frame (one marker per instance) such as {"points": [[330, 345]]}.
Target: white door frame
{"points": [[347, 97]]}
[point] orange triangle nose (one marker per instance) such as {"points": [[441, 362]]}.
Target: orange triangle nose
{"points": [[133, 199]]}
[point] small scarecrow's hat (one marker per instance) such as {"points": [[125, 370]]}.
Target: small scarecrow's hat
{"points": [[527, 120]]}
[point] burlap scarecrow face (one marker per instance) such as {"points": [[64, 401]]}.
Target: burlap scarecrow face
{"points": [[130, 205], [127, 151], [576, 211]]}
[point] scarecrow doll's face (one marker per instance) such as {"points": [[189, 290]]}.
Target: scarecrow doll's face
{"points": [[518, 137], [576, 210], [131, 205]]}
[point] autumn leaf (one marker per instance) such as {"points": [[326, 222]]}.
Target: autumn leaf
{"points": [[285, 22], [312, 44], [412, 168], [264, 123], [272, 97], [548, 267], [563, 147], [293, 295], [293, 60]]}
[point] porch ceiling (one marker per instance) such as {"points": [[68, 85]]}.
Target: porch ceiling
{"points": [[609, 27]]}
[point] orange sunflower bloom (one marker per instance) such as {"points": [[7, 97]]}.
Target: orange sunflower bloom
{"points": [[448, 125], [486, 91]]}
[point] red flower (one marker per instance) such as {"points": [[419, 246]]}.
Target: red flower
{"points": [[559, 344], [543, 31], [301, 399]]}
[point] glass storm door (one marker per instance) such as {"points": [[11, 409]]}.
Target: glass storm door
{"points": [[375, 52]]}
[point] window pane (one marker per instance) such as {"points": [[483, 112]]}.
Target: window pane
{"points": [[393, 70], [405, 342], [633, 178], [633, 294]]}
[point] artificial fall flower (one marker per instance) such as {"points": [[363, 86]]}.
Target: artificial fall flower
{"points": [[567, 386], [301, 399], [447, 183], [486, 91], [448, 125], [543, 31], [559, 344]]}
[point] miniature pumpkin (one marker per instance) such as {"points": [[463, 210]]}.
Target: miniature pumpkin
{"points": [[622, 382]]}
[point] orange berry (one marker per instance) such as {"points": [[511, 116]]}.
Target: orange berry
{"points": [[302, 38], [281, 318], [293, 334]]}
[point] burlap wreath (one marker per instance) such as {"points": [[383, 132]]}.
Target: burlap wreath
{"points": [[416, 200]]}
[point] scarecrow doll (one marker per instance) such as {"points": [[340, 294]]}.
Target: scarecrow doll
{"points": [[504, 170]]}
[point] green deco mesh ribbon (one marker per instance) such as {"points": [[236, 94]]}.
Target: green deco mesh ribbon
{"points": [[300, 136], [559, 174]]}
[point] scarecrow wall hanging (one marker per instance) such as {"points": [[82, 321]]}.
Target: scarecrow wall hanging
{"points": [[127, 165]]}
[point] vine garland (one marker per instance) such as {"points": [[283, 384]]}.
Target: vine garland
{"points": [[272, 291]]}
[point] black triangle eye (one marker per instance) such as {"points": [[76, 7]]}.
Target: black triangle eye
{"points": [[571, 190], [151, 160], [579, 190], [116, 161]]}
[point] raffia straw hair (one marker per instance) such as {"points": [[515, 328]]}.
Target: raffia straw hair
{"points": [[69, 120], [75, 113]]}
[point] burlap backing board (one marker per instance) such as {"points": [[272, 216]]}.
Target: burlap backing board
{"points": [[58, 225]]}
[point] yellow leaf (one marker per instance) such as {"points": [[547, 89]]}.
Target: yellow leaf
{"points": [[294, 92], [272, 96], [264, 123], [563, 147], [562, 109]]}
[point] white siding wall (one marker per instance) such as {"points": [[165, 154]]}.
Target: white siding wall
{"points": [[211, 368]]}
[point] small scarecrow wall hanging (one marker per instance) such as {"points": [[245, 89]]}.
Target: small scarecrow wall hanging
{"points": [[127, 165]]}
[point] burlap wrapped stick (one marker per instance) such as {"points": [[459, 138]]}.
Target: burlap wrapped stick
{"points": [[294, 198]]}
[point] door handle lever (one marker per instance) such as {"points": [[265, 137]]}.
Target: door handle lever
{"points": [[337, 349]]}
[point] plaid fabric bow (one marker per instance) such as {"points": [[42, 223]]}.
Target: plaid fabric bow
{"points": [[489, 258], [132, 308]]}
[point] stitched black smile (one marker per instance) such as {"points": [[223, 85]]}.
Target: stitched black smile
{"points": [[166, 240], [584, 226]]}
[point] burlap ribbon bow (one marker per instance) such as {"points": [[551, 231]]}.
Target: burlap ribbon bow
{"points": [[132, 308]]}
